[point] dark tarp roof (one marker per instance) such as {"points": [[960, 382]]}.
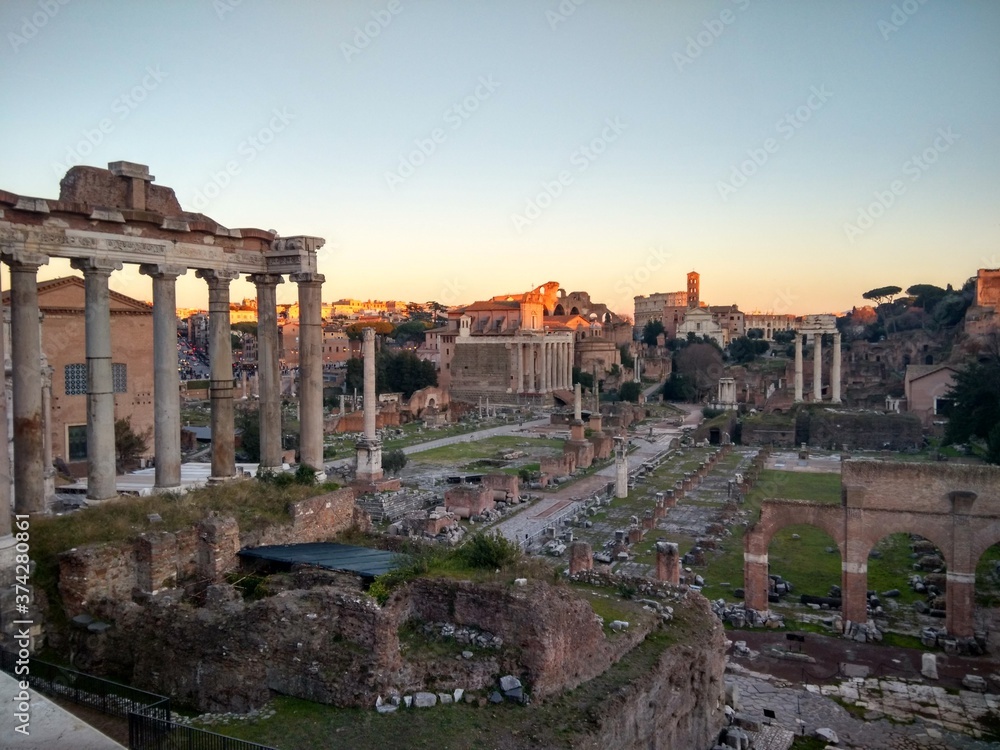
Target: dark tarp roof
{"points": [[362, 560]]}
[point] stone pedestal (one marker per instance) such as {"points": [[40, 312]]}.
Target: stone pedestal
{"points": [[581, 557], [668, 563]]}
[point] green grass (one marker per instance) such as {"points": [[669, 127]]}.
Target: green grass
{"points": [[486, 448], [796, 485], [805, 561], [558, 722], [987, 584]]}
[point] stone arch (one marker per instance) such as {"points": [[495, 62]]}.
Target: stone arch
{"points": [[559, 310], [574, 310]]}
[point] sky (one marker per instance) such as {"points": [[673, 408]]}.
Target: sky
{"points": [[795, 154]]}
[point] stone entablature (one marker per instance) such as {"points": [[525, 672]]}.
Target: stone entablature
{"points": [[102, 220]]}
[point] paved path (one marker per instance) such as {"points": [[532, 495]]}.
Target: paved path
{"points": [[468, 437], [888, 705], [530, 522], [50, 726]]}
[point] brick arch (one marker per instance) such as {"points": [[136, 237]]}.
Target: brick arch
{"points": [[880, 524], [957, 507]]}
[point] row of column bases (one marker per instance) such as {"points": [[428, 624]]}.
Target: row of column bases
{"points": [[818, 368], [29, 427], [543, 367]]}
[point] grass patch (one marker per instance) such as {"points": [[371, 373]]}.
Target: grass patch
{"points": [[459, 453]]}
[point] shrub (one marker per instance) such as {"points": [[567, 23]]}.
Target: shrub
{"points": [[489, 551]]}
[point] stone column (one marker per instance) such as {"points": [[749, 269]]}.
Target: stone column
{"points": [[26, 359], [835, 370], [798, 367], [531, 368], [100, 386], [268, 372], [166, 379], [311, 368], [817, 366], [368, 353], [221, 363], [543, 366], [519, 380], [577, 403], [621, 468]]}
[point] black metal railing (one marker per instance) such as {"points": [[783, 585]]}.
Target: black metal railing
{"points": [[152, 733], [103, 695], [150, 725]]}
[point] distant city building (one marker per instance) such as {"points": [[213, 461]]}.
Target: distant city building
{"points": [[769, 323]]}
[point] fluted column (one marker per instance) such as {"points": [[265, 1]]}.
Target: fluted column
{"points": [[798, 367], [817, 367], [519, 380], [221, 365], [310, 368], [835, 370], [26, 361], [268, 372], [544, 367], [166, 378]]}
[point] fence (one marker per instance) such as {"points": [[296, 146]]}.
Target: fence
{"points": [[102, 695], [149, 716], [152, 733]]}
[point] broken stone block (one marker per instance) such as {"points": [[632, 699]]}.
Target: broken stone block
{"points": [[974, 683], [928, 666], [424, 700], [509, 682]]}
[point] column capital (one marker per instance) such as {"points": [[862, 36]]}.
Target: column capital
{"points": [[216, 275], [265, 279], [307, 277], [162, 270], [96, 266], [24, 259]]}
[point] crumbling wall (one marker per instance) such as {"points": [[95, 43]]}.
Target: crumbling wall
{"points": [[205, 552]]}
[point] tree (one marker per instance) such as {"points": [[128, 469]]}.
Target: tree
{"points": [[650, 331], [248, 427], [975, 395], [585, 379], [629, 391], [883, 294], [395, 372], [412, 331], [627, 359], [784, 337], [382, 328], [246, 326], [755, 333], [745, 349], [926, 296], [129, 444], [701, 365], [394, 461]]}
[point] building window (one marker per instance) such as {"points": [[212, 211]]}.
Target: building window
{"points": [[76, 442], [119, 377], [76, 379]]}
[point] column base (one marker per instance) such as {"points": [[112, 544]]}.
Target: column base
{"points": [[219, 480]]}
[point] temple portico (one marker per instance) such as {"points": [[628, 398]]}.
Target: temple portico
{"points": [[103, 220], [815, 326]]}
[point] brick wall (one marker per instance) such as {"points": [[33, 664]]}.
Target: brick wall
{"points": [[205, 552]]}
